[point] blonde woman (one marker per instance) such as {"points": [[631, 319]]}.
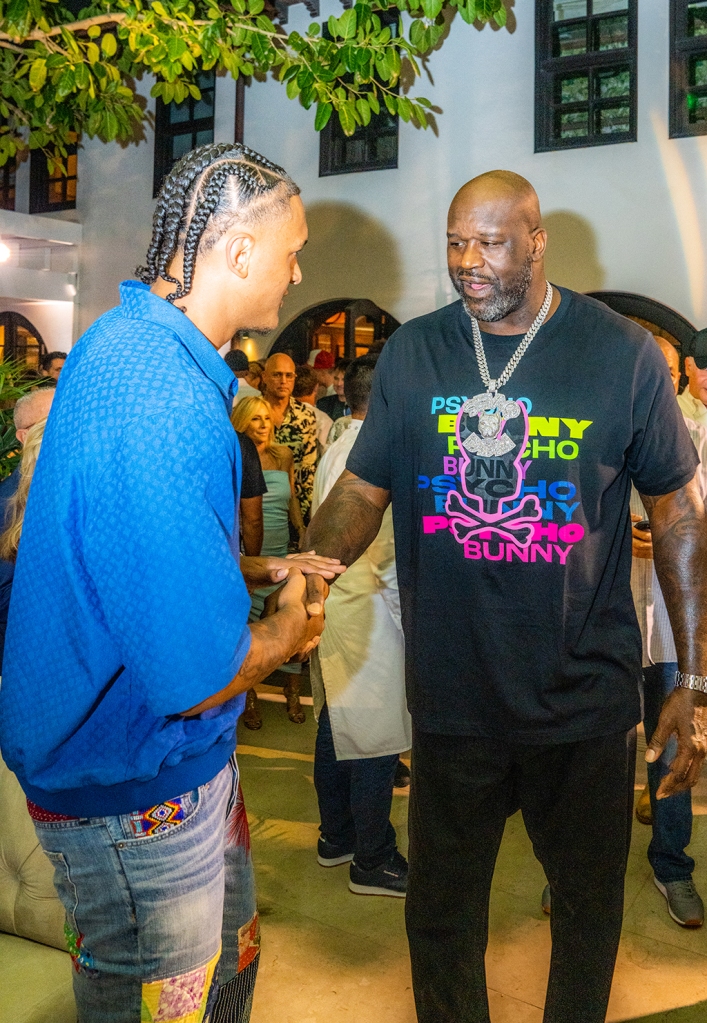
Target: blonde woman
{"points": [[253, 417], [30, 417]]}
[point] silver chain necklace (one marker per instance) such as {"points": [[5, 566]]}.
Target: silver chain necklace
{"points": [[493, 385], [492, 408]]}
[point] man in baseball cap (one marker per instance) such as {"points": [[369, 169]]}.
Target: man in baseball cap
{"points": [[693, 400]]}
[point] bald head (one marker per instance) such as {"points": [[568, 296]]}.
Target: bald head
{"points": [[672, 358], [495, 249], [30, 408], [504, 193], [278, 378]]}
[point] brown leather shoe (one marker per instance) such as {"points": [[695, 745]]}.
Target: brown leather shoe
{"points": [[644, 814], [294, 707], [251, 714]]}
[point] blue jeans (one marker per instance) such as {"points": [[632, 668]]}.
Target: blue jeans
{"points": [[161, 914], [355, 797], [672, 817]]}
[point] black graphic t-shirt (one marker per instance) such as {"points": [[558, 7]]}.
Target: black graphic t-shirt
{"points": [[511, 515]]}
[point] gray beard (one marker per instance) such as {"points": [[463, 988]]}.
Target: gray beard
{"points": [[506, 297]]}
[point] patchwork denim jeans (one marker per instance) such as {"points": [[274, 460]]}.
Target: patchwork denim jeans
{"points": [[161, 917]]}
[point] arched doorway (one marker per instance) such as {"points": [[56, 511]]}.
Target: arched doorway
{"points": [[654, 316], [346, 327], [20, 341]]}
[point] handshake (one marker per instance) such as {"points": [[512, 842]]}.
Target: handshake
{"points": [[300, 598]]}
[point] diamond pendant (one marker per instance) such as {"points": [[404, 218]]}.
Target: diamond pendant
{"points": [[493, 410]]}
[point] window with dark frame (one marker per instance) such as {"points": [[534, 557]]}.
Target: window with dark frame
{"points": [[688, 68], [585, 73], [7, 185], [50, 191], [181, 127], [373, 147]]}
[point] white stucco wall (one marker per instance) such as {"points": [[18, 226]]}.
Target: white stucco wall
{"points": [[631, 216]]}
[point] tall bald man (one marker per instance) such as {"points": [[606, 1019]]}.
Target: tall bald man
{"points": [[508, 453], [295, 425]]}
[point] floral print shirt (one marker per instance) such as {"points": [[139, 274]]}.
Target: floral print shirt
{"points": [[298, 432]]}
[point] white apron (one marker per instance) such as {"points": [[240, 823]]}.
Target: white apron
{"points": [[359, 665]]}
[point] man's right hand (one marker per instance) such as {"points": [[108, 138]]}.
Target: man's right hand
{"points": [[292, 596]]}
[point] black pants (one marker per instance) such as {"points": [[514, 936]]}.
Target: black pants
{"points": [[577, 803]]}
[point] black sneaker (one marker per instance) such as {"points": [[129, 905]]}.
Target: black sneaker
{"points": [[390, 878], [329, 854], [402, 776]]}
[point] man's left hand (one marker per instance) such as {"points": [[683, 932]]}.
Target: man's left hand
{"points": [[684, 714]]}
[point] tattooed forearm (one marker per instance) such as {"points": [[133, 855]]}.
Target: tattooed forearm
{"points": [[348, 521], [679, 531], [273, 641]]}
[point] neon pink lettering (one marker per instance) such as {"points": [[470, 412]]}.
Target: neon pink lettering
{"points": [[450, 465], [472, 550], [521, 554], [563, 553], [493, 557], [573, 532], [544, 552], [431, 523], [549, 531]]}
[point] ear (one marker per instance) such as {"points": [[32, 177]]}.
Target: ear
{"points": [[239, 253], [539, 244], [21, 434], [689, 365]]}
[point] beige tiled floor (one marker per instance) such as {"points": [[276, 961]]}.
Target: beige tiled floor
{"points": [[332, 957]]}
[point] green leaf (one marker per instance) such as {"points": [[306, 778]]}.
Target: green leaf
{"points": [[292, 88], [390, 102], [159, 9], [93, 53], [347, 118], [322, 116], [333, 26], [347, 24], [431, 8], [109, 45], [37, 74], [94, 31], [501, 16], [364, 110], [313, 29], [373, 102]]}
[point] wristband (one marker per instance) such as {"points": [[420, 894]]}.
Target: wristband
{"points": [[697, 682]]}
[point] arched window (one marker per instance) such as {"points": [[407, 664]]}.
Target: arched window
{"points": [[20, 340]]}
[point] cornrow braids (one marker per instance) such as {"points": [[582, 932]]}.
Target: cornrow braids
{"points": [[195, 196]]}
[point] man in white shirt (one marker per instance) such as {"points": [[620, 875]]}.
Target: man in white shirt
{"points": [[358, 683], [671, 818], [237, 362], [693, 400]]}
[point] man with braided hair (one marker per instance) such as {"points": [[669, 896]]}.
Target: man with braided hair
{"points": [[121, 724]]}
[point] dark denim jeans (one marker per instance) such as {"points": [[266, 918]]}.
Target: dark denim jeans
{"points": [[672, 817], [354, 799]]}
